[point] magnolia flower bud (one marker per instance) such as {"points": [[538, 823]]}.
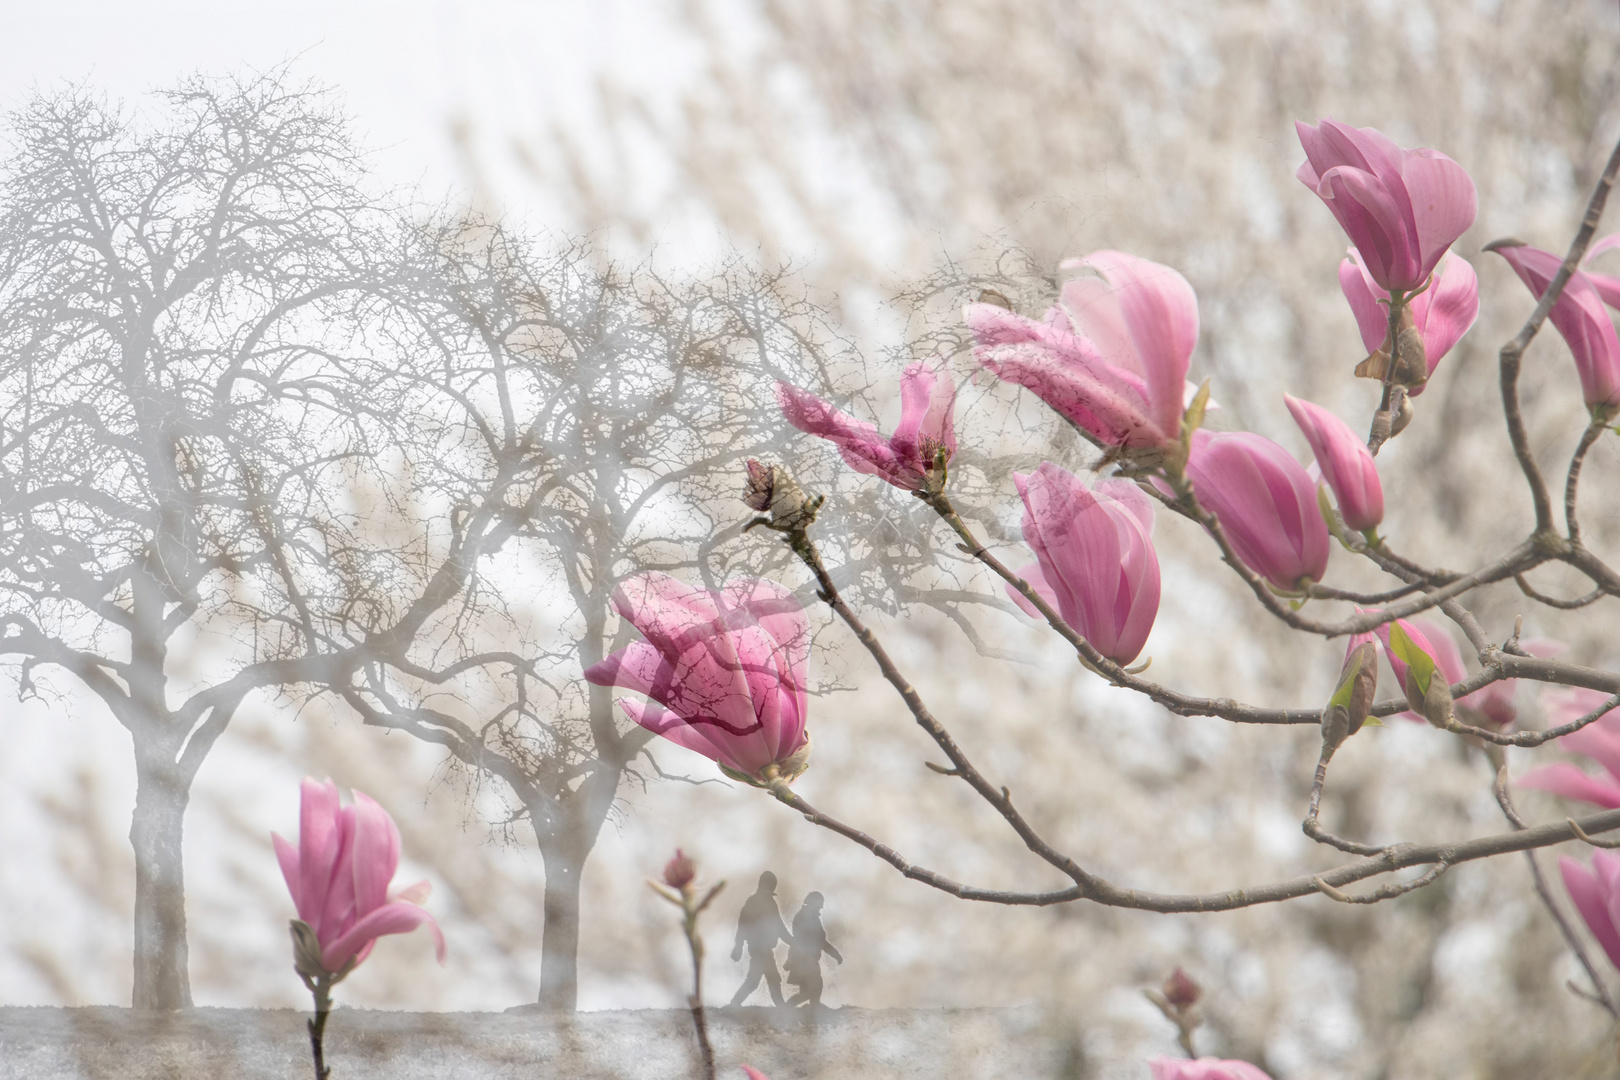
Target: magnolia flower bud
{"points": [[680, 871], [1358, 680], [1180, 990]]}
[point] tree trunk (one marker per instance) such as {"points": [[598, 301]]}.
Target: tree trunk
{"points": [[559, 949], [161, 977]]}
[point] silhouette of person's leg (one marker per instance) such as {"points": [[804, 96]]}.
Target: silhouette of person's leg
{"points": [[809, 990], [760, 966], [749, 982], [773, 981]]}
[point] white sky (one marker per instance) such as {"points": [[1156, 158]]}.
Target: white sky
{"points": [[405, 68]]}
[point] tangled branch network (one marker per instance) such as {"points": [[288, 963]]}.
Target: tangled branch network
{"points": [[724, 671]]}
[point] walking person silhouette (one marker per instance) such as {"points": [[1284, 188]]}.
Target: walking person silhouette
{"points": [[760, 927], [809, 941]]}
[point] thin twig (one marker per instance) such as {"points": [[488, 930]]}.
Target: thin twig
{"points": [[1505, 800], [1572, 482]]}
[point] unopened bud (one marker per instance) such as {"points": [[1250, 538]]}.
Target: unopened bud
{"points": [[680, 871], [771, 490], [1358, 681], [306, 950], [1181, 991]]}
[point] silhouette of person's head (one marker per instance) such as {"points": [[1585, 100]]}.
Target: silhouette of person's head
{"points": [[814, 900], [767, 882]]}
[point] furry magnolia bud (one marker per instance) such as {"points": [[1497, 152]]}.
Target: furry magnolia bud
{"points": [[680, 871], [773, 492], [1181, 990]]}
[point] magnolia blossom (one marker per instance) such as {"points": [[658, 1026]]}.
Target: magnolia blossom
{"points": [[1401, 208], [1206, 1068], [927, 397], [1580, 317], [1094, 555], [1440, 314], [726, 671], [1596, 893], [1346, 463], [1599, 740], [1112, 354], [1265, 503], [339, 875]]}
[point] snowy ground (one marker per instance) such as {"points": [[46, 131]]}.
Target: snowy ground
{"points": [[250, 1044]]}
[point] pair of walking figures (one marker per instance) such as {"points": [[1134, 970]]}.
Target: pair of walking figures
{"points": [[760, 927]]}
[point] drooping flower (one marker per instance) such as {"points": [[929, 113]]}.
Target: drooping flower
{"points": [[1596, 893], [1265, 503], [1111, 355], [1205, 1068], [1599, 740], [1580, 317], [1094, 556], [1440, 315], [904, 459], [1607, 285], [726, 671], [1401, 208], [339, 876], [1346, 463], [1420, 664]]}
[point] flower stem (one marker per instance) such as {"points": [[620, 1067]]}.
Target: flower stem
{"points": [[322, 989]]}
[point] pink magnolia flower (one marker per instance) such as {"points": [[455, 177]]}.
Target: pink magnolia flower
{"points": [[1094, 555], [1206, 1068], [927, 397], [1599, 740], [754, 1074], [1401, 208], [1596, 893], [1346, 463], [339, 874], [1607, 286], [1580, 317], [1111, 356], [1265, 502], [1441, 314], [726, 671]]}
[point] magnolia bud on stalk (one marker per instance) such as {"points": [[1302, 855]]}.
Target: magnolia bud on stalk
{"points": [[1413, 659], [1358, 681]]}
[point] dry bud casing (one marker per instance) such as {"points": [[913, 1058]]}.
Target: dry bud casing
{"points": [[771, 490]]}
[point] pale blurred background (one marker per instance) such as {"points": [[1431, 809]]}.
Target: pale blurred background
{"points": [[872, 145]]}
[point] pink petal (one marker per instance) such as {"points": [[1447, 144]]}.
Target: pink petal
{"points": [[1035, 580], [1363, 293], [1448, 309], [858, 442], [320, 840], [1265, 502], [1443, 202], [1345, 461], [1159, 311], [1592, 899], [287, 857], [395, 918], [1376, 222], [376, 853], [1580, 318], [1562, 778]]}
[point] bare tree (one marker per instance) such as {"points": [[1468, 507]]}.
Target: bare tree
{"points": [[643, 398], [204, 335]]}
